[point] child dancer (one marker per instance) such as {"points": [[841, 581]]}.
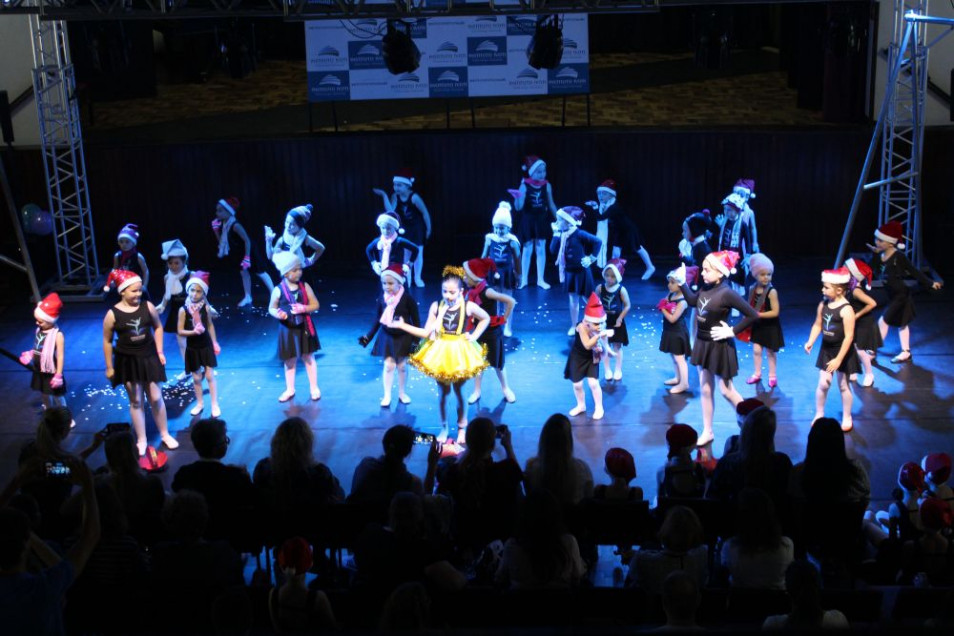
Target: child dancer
{"points": [[390, 247], [714, 349], [574, 251], [867, 336], [675, 334], [894, 267], [835, 321], [136, 361], [450, 355], [615, 301], [202, 347], [45, 359], [745, 189], [767, 330], [295, 238], [393, 344], [734, 235], [128, 259], [476, 273], [504, 248], [292, 303], [616, 229], [233, 240], [534, 198], [176, 256], [413, 214], [583, 362]]}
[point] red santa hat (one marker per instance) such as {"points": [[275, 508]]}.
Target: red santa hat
{"points": [[121, 278], [199, 278], [891, 232], [681, 436], [174, 248], [531, 163], [389, 219], [911, 477], [405, 176], [620, 463], [748, 406], [130, 231], [231, 204], [935, 514], [154, 461], [608, 186], [745, 187], [502, 215], [860, 270], [48, 309], [735, 201], [840, 276], [395, 271], [571, 214], [937, 467], [724, 261], [481, 268], [594, 311], [618, 267]]}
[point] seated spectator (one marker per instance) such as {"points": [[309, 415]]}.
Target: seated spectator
{"points": [[555, 468], [292, 486], [827, 474], [621, 467], [377, 479], [32, 602], [141, 495], [227, 489], [293, 607], [937, 471], [387, 556], [232, 613], [803, 586], [117, 561], [931, 556], [486, 494], [681, 476], [680, 600], [682, 548], [743, 410], [757, 556], [407, 610], [542, 554]]}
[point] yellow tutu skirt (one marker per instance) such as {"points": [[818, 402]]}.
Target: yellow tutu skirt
{"points": [[450, 358]]}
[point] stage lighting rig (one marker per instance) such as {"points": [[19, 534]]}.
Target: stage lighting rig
{"points": [[400, 53], [546, 46]]}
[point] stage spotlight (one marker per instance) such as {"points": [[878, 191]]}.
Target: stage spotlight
{"points": [[400, 53], [546, 45]]}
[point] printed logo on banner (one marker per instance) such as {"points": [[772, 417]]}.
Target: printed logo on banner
{"points": [[365, 54], [327, 58], [329, 86], [448, 53], [487, 51], [527, 81], [407, 85], [574, 52], [568, 79], [448, 82], [521, 25], [488, 25]]}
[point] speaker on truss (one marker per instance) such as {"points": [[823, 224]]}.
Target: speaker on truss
{"points": [[400, 53], [546, 46], [6, 118]]}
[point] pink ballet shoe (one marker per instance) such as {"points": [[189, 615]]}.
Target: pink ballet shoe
{"points": [[754, 379], [773, 382]]}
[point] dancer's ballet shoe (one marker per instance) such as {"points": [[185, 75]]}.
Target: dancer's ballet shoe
{"points": [[904, 356], [868, 380], [509, 396], [522, 284], [419, 283], [385, 402], [679, 388], [170, 442], [649, 272], [404, 399], [847, 425], [442, 436], [473, 397], [608, 376], [853, 377], [287, 395], [571, 331], [216, 411], [577, 410], [141, 447], [773, 382], [618, 375], [462, 436], [196, 409], [315, 394], [72, 423], [597, 414], [754, 379], [508, 333], [542, 284], [705, 439], [182, 376], [671, 382], [245, 302]]}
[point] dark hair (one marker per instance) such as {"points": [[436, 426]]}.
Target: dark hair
{"points": [[112, 517], [756, 446], [825, 469], [481, 437], [398, 442], [186, 515], [681, 529], [407, 610], [210, 439], [758, 526], [540, 530], [406, 515], [680, 595], [292, 451], [299, 218], [14, 534], [804, 589], [53, 428], [555, 457]]}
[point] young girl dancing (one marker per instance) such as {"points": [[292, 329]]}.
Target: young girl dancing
{"points": [[292, 303], [767, 331], [202, 347], [176, 256], [675, 334], [714, 349], [504, 248], [410, 208], [128, 259], [835, 321], [390, 247], [450, 354], [574, 250], [45, 359], [895, 267], [616, 229], [615, 301], [136, 361], [534, 198], [867, 336], [295, 237], [476, 273], [583, 361], [234, 241], [393, 344]]}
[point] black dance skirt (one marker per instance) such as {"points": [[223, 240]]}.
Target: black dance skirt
{"points": [[675, 339], [867, 334], [198, 357], [171, 325], [768, 333], [295, 341], [620, 334], [900, 310], [849, 365], [578, 282], [507, 280], [532, 226], [41, 382], [415, 232], [493, 338], [718, 357], [137, 369], [579, 367], [397, 346]]}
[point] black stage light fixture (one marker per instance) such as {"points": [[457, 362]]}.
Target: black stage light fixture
{"points": [[400, 53], [546, 45]]}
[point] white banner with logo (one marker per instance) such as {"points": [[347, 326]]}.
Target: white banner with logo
{"points": [[474, 56]]}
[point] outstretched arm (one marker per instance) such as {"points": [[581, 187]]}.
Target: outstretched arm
{"points": [[816, 329]]}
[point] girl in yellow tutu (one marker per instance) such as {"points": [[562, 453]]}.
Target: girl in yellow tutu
{"points": [[450, 355]]}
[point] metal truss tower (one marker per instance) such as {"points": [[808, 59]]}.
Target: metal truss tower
{"points": [[61, 142]]}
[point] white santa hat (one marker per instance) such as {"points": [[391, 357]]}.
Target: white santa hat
{"points": [[199, 278], [174, 248], [390, 219], [285, 262], [502, 215]]}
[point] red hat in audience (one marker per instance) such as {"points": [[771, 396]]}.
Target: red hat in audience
{"points": [[481, 268], [620, 463], [937, 467], [911, 477], [154, 461], [681, 435], [935, 514], [748, 406], [295, 554]]}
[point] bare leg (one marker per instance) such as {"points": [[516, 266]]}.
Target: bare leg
{"points": [[821, 393], [773, 367], [504, 386], [181, 342], [387, 379], [266, 280], [618, 348], [418, 266], [311, 370], [247, 288], [159, 415], [289, 392], [904, 335], [442, 391], [197, 387], [729, 392], [883, 328], [865, 358], [846, 401], [597, 397], [706, 381], [402, 381], [213, 391], [508, 328], [475, 394], [607, 368], [458, 387], [137, 415], [580, 399], [525, 255], [541, 263], [574, 312], [682, 375], [756, 364], [648, 262]]}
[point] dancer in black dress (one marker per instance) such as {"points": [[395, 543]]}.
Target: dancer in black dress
{"points": [[867, 336], [533, 200], [675, 334], [292, 303], [236, 247], [390, 247], [202, 347], [575, 252], [478, 274], [583, 362], [615, 301], [503, 247], [45, 359], [619, 233], [415, 219], [767, 331]]}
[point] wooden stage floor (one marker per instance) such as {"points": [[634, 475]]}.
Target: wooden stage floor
{"points": [[907, 413]]}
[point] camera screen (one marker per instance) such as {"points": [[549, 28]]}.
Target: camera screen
{"points": [[57, 469], [424, 438]]}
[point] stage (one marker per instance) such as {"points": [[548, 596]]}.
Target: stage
{"points": [[906, 414]]}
